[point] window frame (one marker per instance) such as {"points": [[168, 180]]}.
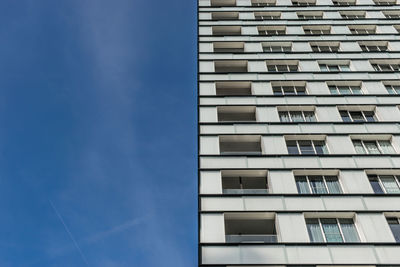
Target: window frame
{"points": [[366, 151], [336, 87], [392, 89], [331, 48], [282, 91], [381, 185], [340, 230], [339, 66], [289, 115], [378, 67], [312, 144], [325, 184], [275, 66], [362, 113]]}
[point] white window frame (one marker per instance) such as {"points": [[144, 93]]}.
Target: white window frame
{"points": [[360, 30], [362, 112], [378, 67], [390, 88], [350, 89], [283, 48], [381, 184], [331, 48], [286, 65], [313, 146], [338, 65], [294, 89], [263, 3], [312, 31], [267, 17], [340, 228], [323, 178], [302, 115], [366, 152], [367, 48]]}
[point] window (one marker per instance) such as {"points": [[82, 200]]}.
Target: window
{"points": [[353, 14], [393, 89], [385, 184], [318, 184], [306, 147], [272, 30], [225, 15], [223, 2], [240, 144], [233, 88], [228, 47], [334, 67], [282, 66], [392, 14], [263, 2], [303, 2], [343, 2], [289, 89], [277, 47], [316, 30], [230, 66], [362, 29], [297, 116], [345, 89], [375, 46], [325, 46], [246, 227], [373, 146], [310, 15], [267, 15], [385, 2], [244, 182], [394, 224], [357, 116], [332, 230], [386, 66], [226, 30], [236, 113]]}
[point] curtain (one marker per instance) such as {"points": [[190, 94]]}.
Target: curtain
{"points": [[331, 230], [333, 185], [349, 230], [284, 116], [358, 146], [390, 184], [386, 147], [314, 231], [371, 147], [317, 185], [296, 116], [302, 185]]}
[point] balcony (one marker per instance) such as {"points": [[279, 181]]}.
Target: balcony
{"points": [[240, 144], [244, 182]]}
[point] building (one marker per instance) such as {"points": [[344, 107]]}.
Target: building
{"points": [[299, 134]]}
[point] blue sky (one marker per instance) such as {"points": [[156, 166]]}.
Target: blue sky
{"points": [[98, 133]]}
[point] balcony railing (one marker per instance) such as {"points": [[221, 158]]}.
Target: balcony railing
{"points": [[251, 238], [246, 191]]}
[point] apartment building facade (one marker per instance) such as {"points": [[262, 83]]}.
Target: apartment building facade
{"points": [[299, 135]]}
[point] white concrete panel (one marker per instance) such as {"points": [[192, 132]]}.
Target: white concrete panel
{"points": [[343, 203], [206, 66], [350, 46], [208, 114], [394, 46], [374, 162], [206, 47], [257, 66], [301, 162], [220, 162], [265, 163], [243, 2], [339, 144], [291, 227], [352, 254], [317, 88], [209, 145], [222, 204], [331, 14], [327, 114], [289, 15], [282, 182], [249, 30], [273, 145], [337, 162], [387, 29], [355, 182], [373, 228], [301, 47], [204, 3], [212, 228], [396, 143], [374, 88], [361, 65], [388, 113], [323, 2], [204, 16], [207, 89], [308, 65], [374, 14], [205, 30], [267, 114], [253, 47], [336, 29], [387, 203], [210, 182], [294, 30], [283, 2], [246, 15], [308, 255], [388, 255], [304, 204], [220, 255], [259, 88], [263, 203]]}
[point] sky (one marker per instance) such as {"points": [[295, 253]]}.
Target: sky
{"points": [[98, 133]]}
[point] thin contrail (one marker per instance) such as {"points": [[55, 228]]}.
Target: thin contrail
{"points": [[69, 233]]}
